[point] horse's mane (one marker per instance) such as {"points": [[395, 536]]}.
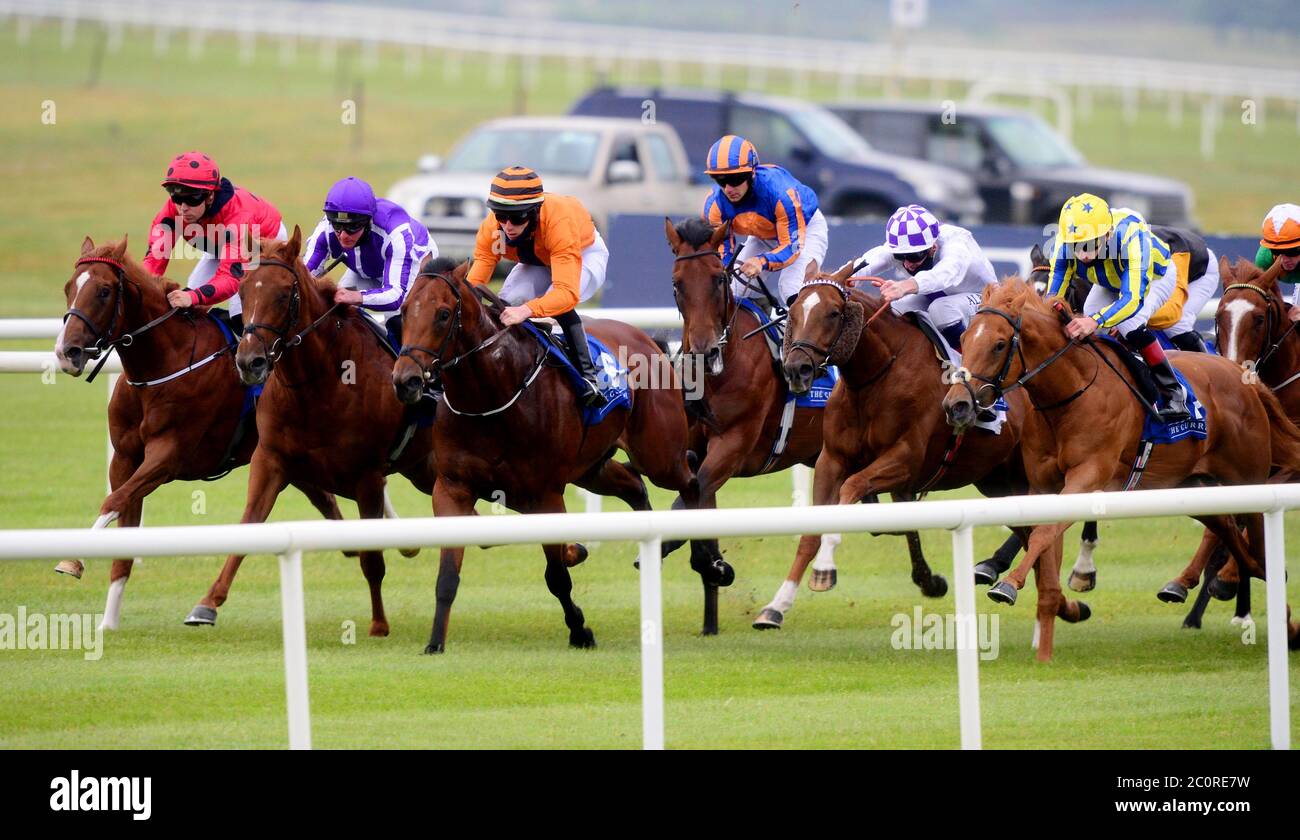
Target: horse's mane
{"points": [[696, 230], [135, 270]]}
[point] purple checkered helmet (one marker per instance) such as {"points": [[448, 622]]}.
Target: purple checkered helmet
{"points": [[911, 229]]}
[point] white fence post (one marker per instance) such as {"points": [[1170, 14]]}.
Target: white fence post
{"points": [[293, 614], [1279, 690], [652, 646], [968, 664]]}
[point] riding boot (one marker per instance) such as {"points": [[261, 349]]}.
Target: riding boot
{"points": [[1171, 392], [580, 354], [952, 334], [1189, 341], [237, 323]]}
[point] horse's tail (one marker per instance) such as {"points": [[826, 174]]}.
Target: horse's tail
{"points": [[1284, 437]]}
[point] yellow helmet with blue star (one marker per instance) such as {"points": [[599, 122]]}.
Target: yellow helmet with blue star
{"points": [[1083, 218]]}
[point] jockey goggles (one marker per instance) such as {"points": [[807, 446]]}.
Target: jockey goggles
{"points": [[515, 217], [187, 196], [732, 179]]}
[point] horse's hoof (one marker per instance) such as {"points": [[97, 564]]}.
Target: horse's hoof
{"points": [[1002, 593], [71, 568], [986, 574], [1191, 623], [1083, 582], [379, 628], [408, 552], [1173, 593], [709, 631], [726, 574], [1221, 590], [768, 619], [582, 638], [1241, 620], [575, 556], [432, 648], [937, 588], [200, 616], [1085, 612], [823, 580]]}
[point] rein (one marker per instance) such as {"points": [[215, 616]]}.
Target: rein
{"points": [[1274, 346]]}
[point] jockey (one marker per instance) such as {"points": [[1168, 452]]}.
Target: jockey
{"points": [[778, 214], [214, 216], [948, 270], [1132, 277], [559, 259], [381, 245], [1198, 263], [1282, 241]]}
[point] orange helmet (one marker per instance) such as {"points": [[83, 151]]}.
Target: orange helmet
{"points": [[1282, 228]]}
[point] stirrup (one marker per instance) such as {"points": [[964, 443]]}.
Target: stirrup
{"points": [[592, 398]]}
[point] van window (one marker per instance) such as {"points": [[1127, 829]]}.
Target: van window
{"points": [[955, 144], [772, 134], [665, 166], [898, 133]]}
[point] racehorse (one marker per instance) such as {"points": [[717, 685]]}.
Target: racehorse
{"points": [[1084, 432], [178, 411], [746, 426], [327, 417], [884, 429], [512, 429]]}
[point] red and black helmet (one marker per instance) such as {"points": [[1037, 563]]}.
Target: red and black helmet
{"points": [[193, 169]]}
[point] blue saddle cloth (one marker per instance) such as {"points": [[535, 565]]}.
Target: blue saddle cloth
{"points": [[822, 386], [609, 376], [1193, 429], [251, 392]]}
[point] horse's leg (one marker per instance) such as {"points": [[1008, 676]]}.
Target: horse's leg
{"points": [[449, 499], [1241, 615], [930, 584], [988, 571], [1196, 615], [120, 570], [266, 479], [390, 512], [828, 476], [1083, 577], [130, 481], [1175, 592], [560, 584], [1051, 600], [371, 499]]}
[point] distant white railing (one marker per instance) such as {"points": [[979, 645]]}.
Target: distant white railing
{"points": [[290, 539]]}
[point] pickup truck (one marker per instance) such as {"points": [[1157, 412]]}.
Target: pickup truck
{"points": [[611, 165]]}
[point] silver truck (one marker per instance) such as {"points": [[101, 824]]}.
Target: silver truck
{"points": [[613, 165]]}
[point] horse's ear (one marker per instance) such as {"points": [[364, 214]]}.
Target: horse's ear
{"points": [[1036, 256], [1273, 272], [670, 231], [295, 243], [811, 271], [1225, 266], [120, 250], [720, 233], [854, 320], [988, 292], [844, 273], [87, 245], [459, 272]]}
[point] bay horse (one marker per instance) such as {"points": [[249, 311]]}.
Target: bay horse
{"points": [[739, 428], [1083, 434], [884, 429], [327, 417], [512, 429], [176, 412]]}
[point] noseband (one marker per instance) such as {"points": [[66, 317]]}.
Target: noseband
{"points": [[104, 342]]}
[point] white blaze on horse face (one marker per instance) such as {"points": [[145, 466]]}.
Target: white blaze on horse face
{"points": [[809, 304], [1237, 309], [58, 341], [978, 332]]}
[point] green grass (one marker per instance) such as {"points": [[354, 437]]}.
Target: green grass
{"points": [[1128, 678]]}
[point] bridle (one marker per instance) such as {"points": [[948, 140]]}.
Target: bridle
{"points": [[728, 299], [438, 363], [808, 346], [283, 341], [1271, 346], [1015, 350], [104, 342]]}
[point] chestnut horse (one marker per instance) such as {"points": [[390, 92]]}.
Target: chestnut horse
{"points": [[512, 426], [744, 397], [175, 412], [1084, 433], [327, 416], [884, 430]]}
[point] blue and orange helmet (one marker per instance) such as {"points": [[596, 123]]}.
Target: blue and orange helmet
{"points": [[731, 154]]}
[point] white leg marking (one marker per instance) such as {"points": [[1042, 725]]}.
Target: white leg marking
{"points": [[825, 560], [1037, 629], [390, 512], [113, 607], [784, 599], [1084, 565], [106, 519]]}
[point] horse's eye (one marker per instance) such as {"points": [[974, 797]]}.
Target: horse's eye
{"points": [[719, 279], [444, 314], [104, 292], [1259, 319], [833, 314], [1000, 345]]}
